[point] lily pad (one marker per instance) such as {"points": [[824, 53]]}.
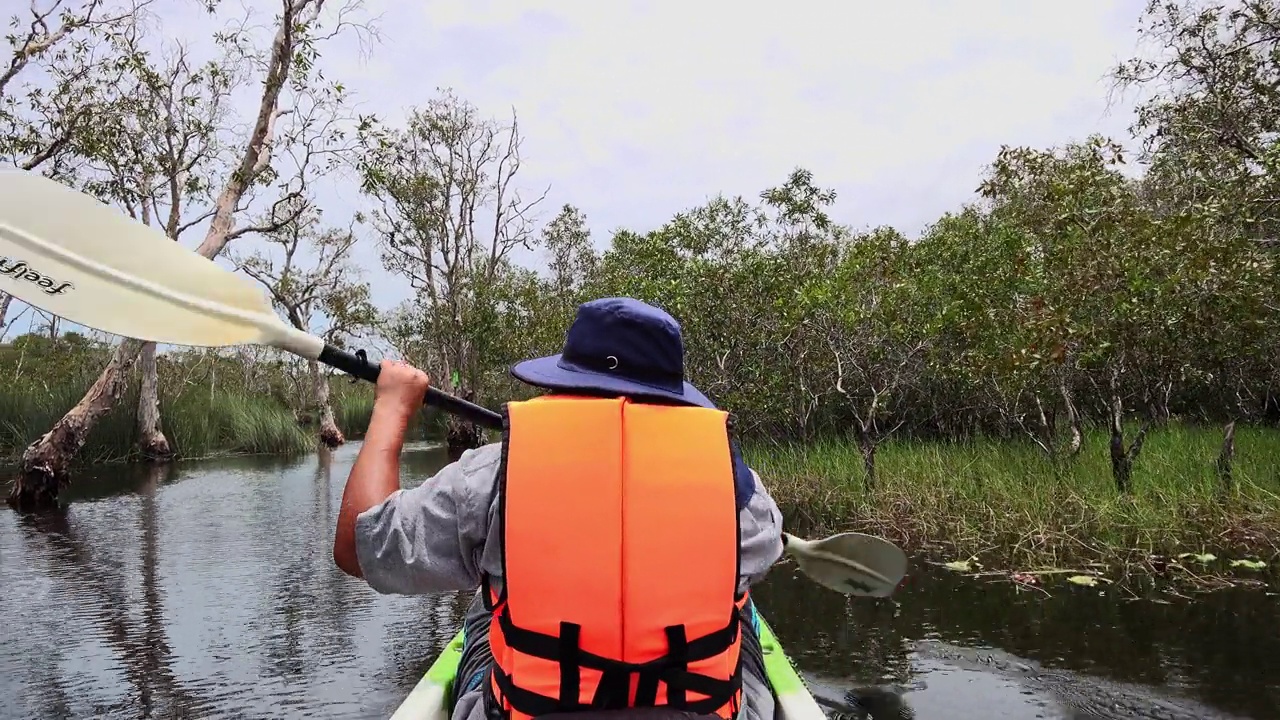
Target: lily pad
{"points": [[1248, 564], [1198, 557]]}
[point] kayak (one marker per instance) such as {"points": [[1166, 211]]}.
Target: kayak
{"points": [[430, 698]]}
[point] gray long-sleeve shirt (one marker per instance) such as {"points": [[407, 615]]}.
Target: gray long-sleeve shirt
{"points": [[441, 536]]}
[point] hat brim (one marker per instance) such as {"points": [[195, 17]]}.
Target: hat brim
{"points": [[548, 372]]}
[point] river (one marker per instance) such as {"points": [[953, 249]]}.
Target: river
{"points": [[208, 590]]}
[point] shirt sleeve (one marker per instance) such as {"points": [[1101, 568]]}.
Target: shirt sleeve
{"points": [[761, 523], [430, 538]]}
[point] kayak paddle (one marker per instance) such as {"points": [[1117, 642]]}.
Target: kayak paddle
{"points": [[76, 257], [851, 563]]}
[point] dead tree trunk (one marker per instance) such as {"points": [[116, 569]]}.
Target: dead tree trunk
{"points": [[330, 435], [462, 435], [46, 462], [1073, 419], [867, 444], [1122, 458], [151, 440], [5, 299], [1046, 434], [1160, 397], [1225, 456]]}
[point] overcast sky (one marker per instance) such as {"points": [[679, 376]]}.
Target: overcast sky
{"points": [[636, 110], [633, 111]]}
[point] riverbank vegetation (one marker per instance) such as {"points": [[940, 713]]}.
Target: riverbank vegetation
{"points": [[242, 401], [1079, 363], [1005, 505]]}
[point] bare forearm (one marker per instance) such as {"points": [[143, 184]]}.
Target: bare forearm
{"points": [[374, 476]]}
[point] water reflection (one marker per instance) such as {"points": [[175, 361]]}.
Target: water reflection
{"points": [[110, 593], [1222, 651], [204, 590], [208, 590]]}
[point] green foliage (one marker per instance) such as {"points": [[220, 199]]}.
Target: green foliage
{"points": [[1212, 111], [64, 75], [1061, 279], [448, 216]]}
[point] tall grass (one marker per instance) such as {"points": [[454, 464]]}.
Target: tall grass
{"points": [[211, 401], [228, 422], [1007, 498], [197, 424], [198, 421], [353, 408]]}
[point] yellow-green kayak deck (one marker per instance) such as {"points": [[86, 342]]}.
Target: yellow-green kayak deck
{"points": [[431, 698]]}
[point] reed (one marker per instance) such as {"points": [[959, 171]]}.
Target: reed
{"points": [[1008, 501]]}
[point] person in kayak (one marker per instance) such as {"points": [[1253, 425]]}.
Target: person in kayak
{"points": [[615, 520]]}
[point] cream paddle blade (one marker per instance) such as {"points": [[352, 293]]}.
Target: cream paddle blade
{"points": [[851, 563], [74, 256]]}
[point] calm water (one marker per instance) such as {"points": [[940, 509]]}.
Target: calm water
{"points": [[209, 591]]}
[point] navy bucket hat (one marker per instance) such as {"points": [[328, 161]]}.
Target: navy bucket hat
{"points": [[618, 346]]}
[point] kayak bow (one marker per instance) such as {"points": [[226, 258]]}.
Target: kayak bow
{"points": [[431, 698]]}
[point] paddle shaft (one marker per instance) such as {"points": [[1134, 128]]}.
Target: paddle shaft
{"points": [[365, 370]]}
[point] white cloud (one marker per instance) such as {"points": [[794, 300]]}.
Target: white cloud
{"points": [[636, 110]]}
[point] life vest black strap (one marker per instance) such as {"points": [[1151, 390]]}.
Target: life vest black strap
{"points": [[683, 680], [527, 701], [613, 689], [570, 661], [549, 647], [679, 651], [612, 693]]}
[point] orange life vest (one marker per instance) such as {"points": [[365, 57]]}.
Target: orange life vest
{"points": [[620, 546]]}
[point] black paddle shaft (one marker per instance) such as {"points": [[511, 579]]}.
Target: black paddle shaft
{"points": [[361, 367]]}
